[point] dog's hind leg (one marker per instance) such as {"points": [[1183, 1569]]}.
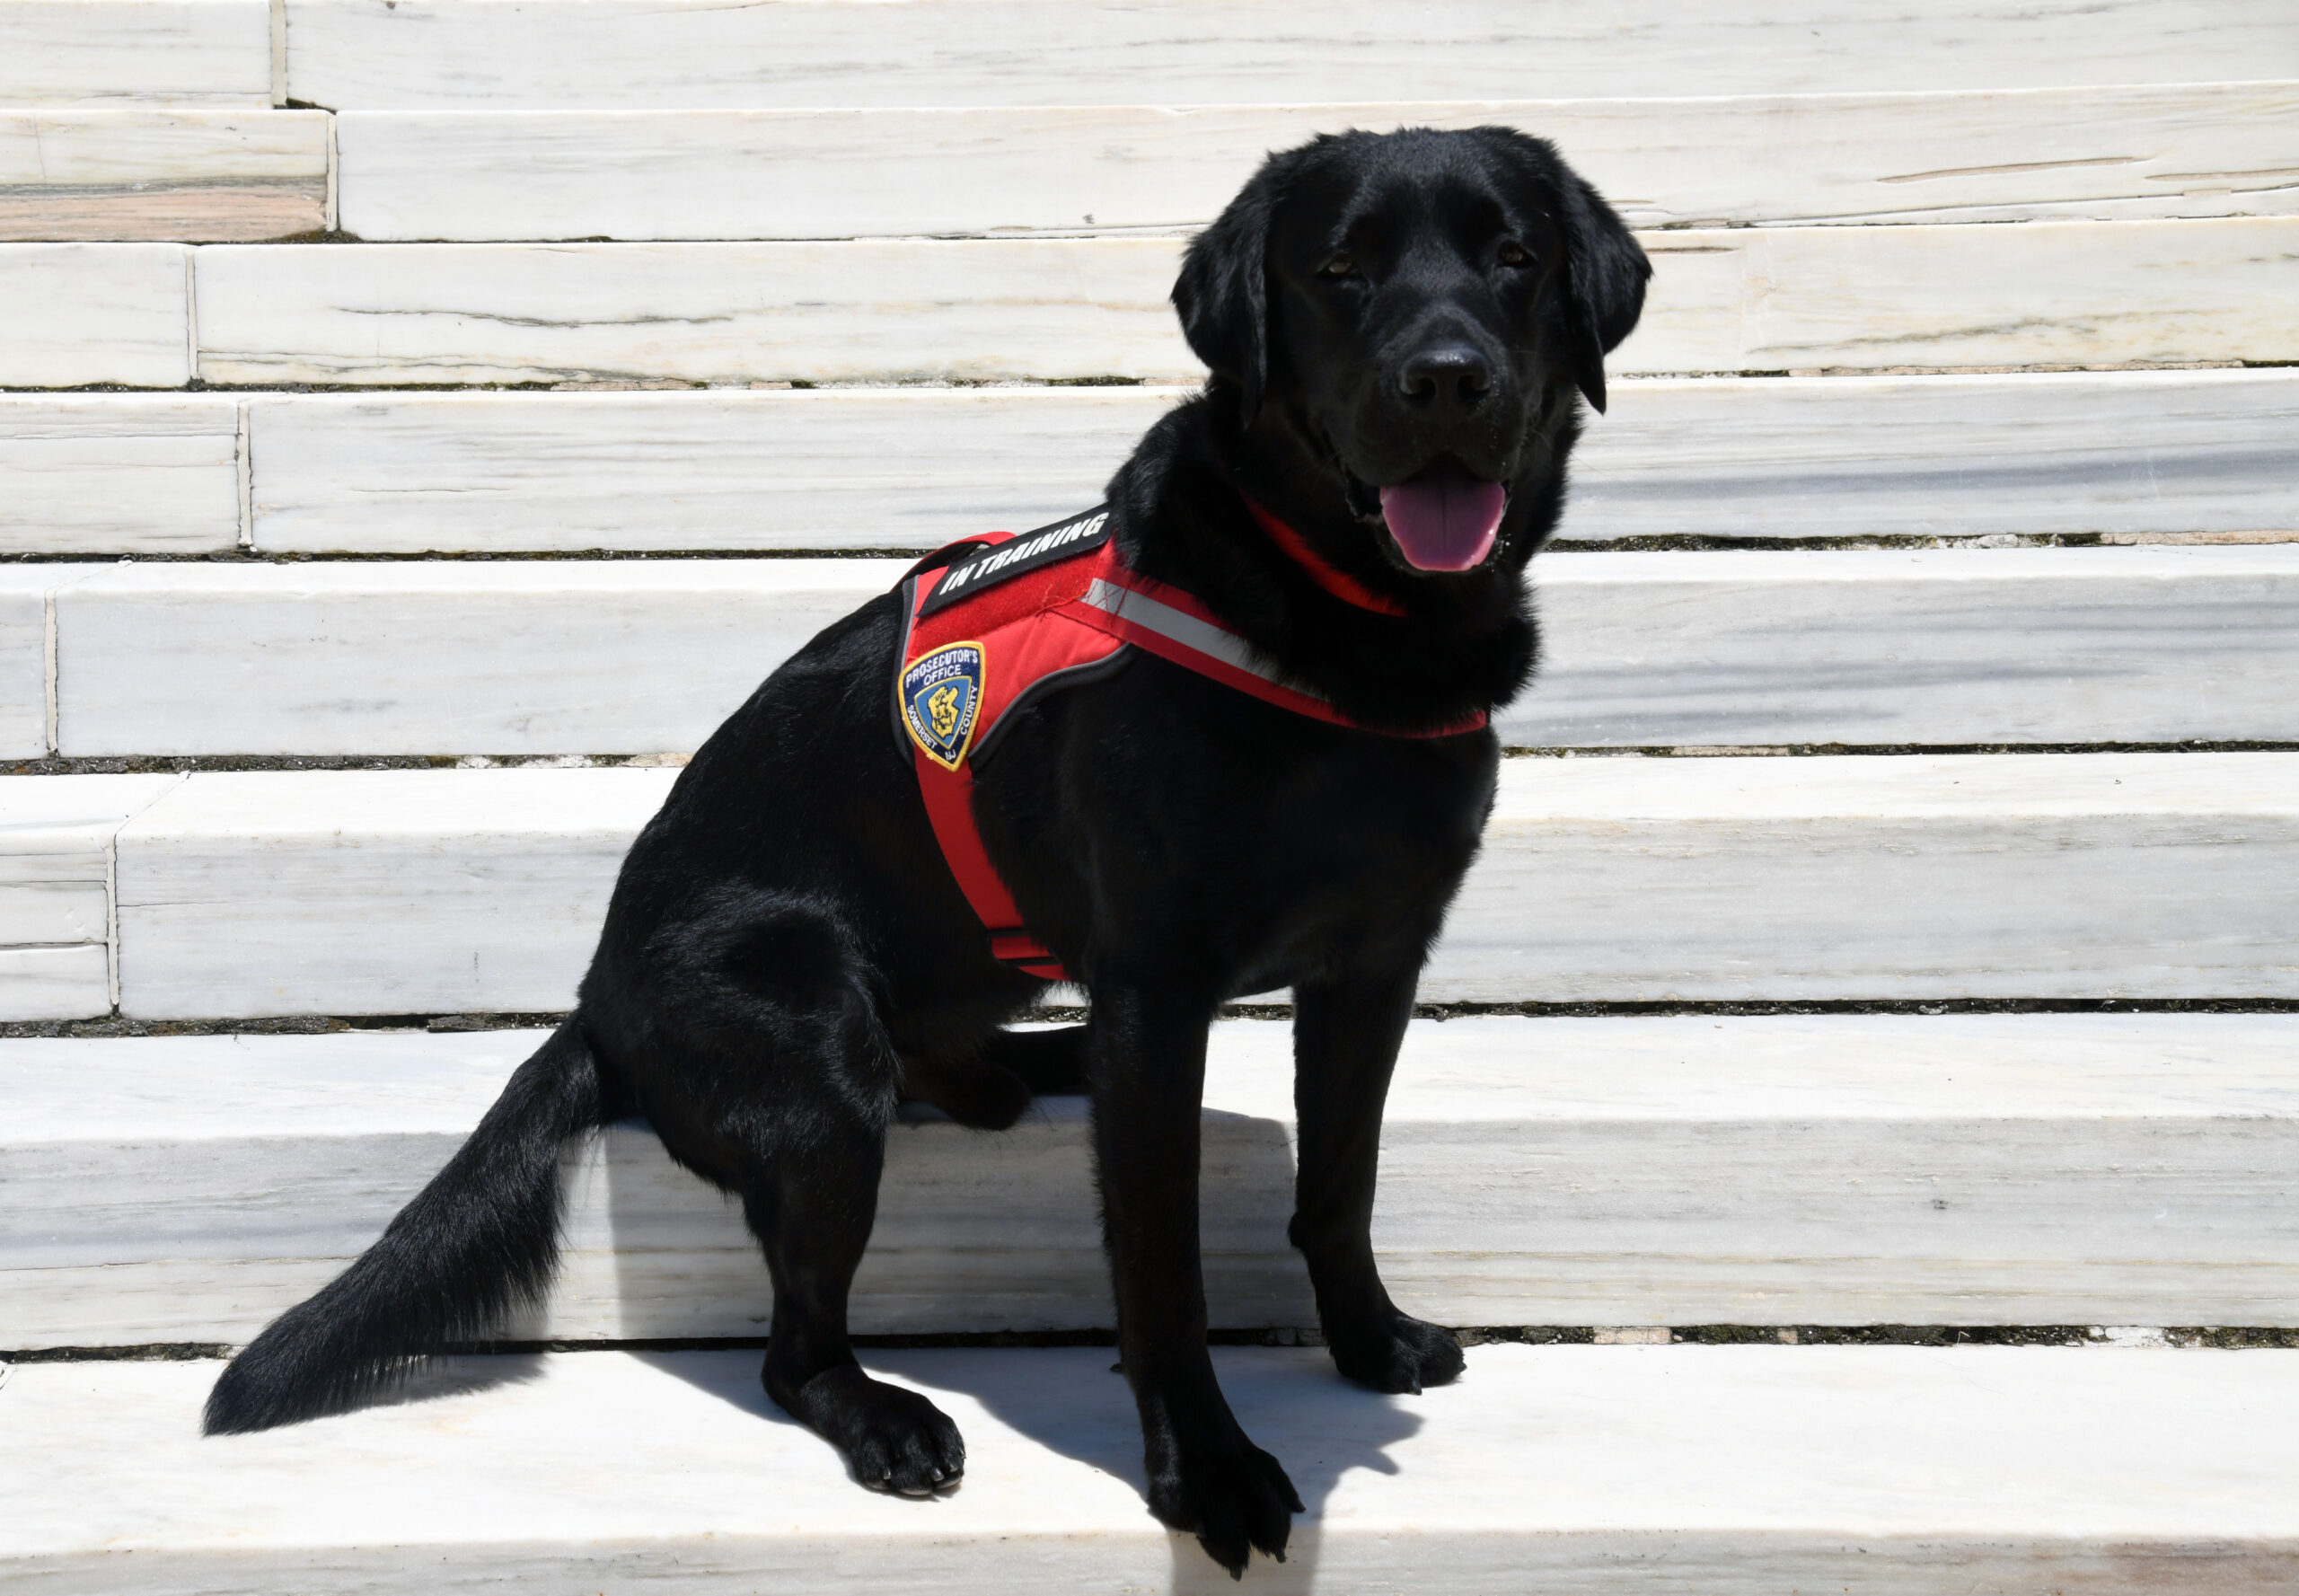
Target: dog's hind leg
{"points": [[771, 1075], [811, 1207]]}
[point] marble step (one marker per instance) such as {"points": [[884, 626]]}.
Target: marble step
{"points": [[525, 658], [231, 176], [1836, 1169], [74, 314], [634, 54], [1630, 879], [2015, 156], [1730, 300], [58, 931], [25, 674], [1736, 1470], [120, 52], [2111, 453], [1772, 299], [105, 473], [152, 174]]}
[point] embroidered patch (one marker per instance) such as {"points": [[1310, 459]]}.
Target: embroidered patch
{"points": [[941, 701], [1030, 551]]}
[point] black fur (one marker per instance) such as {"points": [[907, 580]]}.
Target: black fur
{"points": [[787, 958], [477, 1242]]}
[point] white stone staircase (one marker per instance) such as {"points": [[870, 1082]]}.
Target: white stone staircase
{"points": [[398, 391]]}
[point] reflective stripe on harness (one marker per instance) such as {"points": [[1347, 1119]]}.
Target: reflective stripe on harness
{"points": [[992, 623]]}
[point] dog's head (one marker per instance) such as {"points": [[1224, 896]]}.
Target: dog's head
{"points": [[1414, 310]]}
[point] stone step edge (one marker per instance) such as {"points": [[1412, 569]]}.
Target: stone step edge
{"points": [[2065, 1171], [173, 853], [1060, 1010], [2184, 1337], [1750, 1468], [577, 659], [653, 470], [1748, 300]]}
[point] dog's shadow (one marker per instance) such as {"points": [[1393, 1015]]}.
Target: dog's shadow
{"points": [[1068, 1400], [1291, 1401]]}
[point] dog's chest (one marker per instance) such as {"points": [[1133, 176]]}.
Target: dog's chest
{"points": [[1272, 840]]}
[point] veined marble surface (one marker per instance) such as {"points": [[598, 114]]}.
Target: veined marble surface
{"points": [[118, 473], [716, 313], [521, 657], [1739, 1470], [56, 924], [2210, 149], [1734, 300], [480, 890], [695, 53], [2138, 452], [1914, 647], [175, 174], [562, 656], [24, 592], [121, 52], [1863, 456], [2111, 452], [1691, 1170], [1608, 879], [875, 468], [77, 313], [2097, 875]]}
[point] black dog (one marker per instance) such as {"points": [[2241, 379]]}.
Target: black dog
{"points": [[1397, 326]]}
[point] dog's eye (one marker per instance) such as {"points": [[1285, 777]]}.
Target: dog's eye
{"points": [[1340, 266], [1513, 253]]}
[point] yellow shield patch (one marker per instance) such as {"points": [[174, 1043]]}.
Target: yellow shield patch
{"points": [[941, 701]]}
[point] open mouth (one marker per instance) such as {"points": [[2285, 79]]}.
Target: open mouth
{"points": [[1442, 520]]}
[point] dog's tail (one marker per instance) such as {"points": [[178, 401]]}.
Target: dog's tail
{"points": [[482, 1238]]}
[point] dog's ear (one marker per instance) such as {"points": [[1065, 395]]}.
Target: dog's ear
{"points": [[1605, 271], [1223, 291]]}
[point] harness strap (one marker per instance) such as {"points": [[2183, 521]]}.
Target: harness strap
{"points": [[949, 807], [1160, 619]]}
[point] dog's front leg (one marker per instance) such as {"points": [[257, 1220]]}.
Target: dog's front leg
{"points": [[1345, 1039], [1146, 1071]]}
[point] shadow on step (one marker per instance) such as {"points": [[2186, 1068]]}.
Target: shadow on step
{"points": [[983, 1232], [1070, 1401], [977, 1232], [1291, 1401]]}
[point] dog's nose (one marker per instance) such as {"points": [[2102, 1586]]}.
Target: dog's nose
{"points": [[1446, 378]]}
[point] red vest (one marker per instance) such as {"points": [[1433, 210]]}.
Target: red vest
{"points": [[1008, 618]]}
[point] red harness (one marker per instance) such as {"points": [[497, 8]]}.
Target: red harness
{"points": [[1012, 617]]}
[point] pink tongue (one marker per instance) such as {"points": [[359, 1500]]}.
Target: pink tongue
{"points": [[1444, 520]]}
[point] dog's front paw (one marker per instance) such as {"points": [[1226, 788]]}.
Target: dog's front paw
{"points": [[894, 1440], [1231, 1494], [1398, 1355]]}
